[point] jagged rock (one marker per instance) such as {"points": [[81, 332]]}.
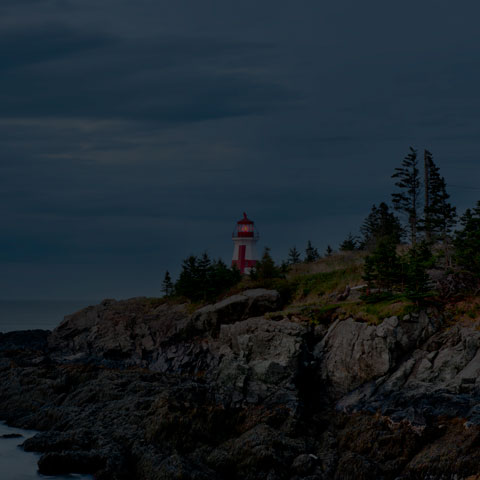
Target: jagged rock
{"points": [[260, 358], [11, 435], [29, 339], [352, 352], [54, 441], [441, 378], [138, 389], [304, 464], [125, 331], [250, 303], [269, 450], [136, 332], [59, 463]]}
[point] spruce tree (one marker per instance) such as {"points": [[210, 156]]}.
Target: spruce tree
{"points": [[311, 253], [221, 278], [293, 256], [189, 283], [265, 269], [202, 279], [167, 285], [417, 261], [328, 251], [349, 244], [204, 265], [382, 268], [467, 241], [380, 224], [369, 273], [439, 214], [407, 200]]}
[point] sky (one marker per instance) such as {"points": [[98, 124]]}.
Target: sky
{"points": [[133, 134]]}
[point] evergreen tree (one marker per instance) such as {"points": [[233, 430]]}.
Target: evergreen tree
{"points": [[328, 251], [349, 244], [167, 285], [467, 241], [407, 200], [284, 268], [311, 253], [293, 256], [369, 273], [439, 214], [188, 283], [382, 268], [265, 268], [380, 223], [417, 260], [221, 278], [204, 280], [204, 265]]}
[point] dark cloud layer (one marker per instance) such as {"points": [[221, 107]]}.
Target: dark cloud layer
{"points": [[132, 135]]}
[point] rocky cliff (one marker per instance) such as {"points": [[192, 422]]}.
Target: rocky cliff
{"points": [[139, 389]]}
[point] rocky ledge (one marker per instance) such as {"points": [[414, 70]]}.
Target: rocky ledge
{"points": [[141, 389]]}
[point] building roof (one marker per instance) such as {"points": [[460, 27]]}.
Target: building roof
{"points": [[245, 220]]}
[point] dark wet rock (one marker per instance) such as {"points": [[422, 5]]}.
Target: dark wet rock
{"points": [[439, 379], [11, 435], [352, 352], [64, 462], [251, 303], [117, 332], [55, 441], [260, 361], [24, 339], [140, 389], [304, 464]]}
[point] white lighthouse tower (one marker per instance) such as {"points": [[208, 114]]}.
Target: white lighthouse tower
{"points": [[244, 240]]}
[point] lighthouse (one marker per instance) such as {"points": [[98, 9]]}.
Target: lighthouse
{"points": [[244, 239]]}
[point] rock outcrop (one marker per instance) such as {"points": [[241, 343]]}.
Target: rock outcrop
{"points": [[143, 389], [352, 353]]}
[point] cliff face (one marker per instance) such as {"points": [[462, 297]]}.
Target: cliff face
{"points": [[136, 390]]}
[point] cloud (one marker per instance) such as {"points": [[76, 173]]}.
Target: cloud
{"points": [[57, 72], [25, 46]]}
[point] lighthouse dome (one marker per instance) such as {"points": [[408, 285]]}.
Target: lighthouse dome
{"points": [[245, 227]]}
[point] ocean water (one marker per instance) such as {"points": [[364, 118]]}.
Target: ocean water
{"points": [[33, 314], [15, 464]]}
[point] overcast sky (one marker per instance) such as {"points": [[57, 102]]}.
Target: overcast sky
{"points": [[136, 133]]}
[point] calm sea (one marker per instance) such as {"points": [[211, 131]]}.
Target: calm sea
{"points": [[15, 464], [32, 314]]}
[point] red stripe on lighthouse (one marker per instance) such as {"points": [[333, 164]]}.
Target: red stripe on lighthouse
{"points": [[241, 258]]}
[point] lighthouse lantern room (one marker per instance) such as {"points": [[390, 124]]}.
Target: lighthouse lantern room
{"points": [[244, 240]]}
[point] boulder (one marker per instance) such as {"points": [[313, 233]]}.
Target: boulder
{"points": [[250, 303], [59, 463], [353, 352], [125, 331], [24, 339], [260, 359], [442, 378]]}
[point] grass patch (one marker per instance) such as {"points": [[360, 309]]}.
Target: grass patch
{"points": [[336, 261], [375, 313], [321, 285], [466, 311]]}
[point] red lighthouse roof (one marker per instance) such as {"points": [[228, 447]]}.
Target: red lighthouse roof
{"points": [[245, 227], [245, 220]]}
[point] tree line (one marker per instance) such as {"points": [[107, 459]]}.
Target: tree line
{"points": [[403, 241], [201, 279], [435, 237]]}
